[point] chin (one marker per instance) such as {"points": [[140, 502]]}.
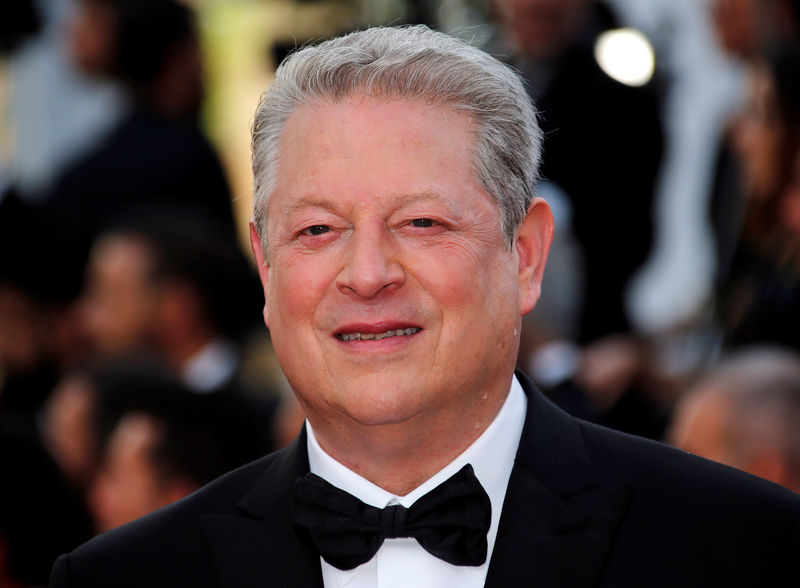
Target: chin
{"points": [[375, 406]]}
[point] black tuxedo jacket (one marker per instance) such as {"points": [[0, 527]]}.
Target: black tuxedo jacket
{"points": [[585, 506]]}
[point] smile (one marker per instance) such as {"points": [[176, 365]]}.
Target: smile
{"points": [[377, 336]]}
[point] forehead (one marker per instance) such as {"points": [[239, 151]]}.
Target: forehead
{"points": [[401, 140]]}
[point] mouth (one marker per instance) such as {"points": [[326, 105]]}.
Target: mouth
{"points": [[359, 336]]}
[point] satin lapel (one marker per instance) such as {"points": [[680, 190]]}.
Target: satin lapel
{"points": [[557, 523], [259, 548]]}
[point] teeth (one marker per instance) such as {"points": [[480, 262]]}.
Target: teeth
{"points": [[377, 336]]}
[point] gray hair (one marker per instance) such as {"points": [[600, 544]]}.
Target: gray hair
{"points": [[411, 63], [762, 385]]}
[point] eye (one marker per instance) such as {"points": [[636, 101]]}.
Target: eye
{"points": [[315, 230], [422, 223]]}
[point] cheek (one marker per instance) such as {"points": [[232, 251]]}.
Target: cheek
{"points": [[297, 285], [476, 289]]}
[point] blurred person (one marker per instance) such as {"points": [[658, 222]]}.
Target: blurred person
{"points": [[174, 286], [40, 514], [767, 135], [613, 133], [90, 399], [39, 327], [610, 131], [745, 412], [400, 241], [131, 438], [759, 296], [747, 27], [177, 287], [129, 485], [789, 206], [51, 113], [157, 456], [69, 428], [747, 30], [156, 158]]}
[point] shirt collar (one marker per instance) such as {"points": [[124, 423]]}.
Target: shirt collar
{"points": [[491, 455]]}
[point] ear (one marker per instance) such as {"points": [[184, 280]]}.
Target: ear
{"points": [[534, 238], [262, 264]]}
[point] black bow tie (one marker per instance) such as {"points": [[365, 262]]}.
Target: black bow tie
{"points": [[450, 521]]}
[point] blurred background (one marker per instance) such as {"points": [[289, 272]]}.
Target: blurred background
{"points": [[134, 365]]}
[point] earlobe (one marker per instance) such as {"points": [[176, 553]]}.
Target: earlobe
{"points": [[534, 238], [262, 264]]}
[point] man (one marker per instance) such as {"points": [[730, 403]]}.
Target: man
{"points": [[399, 244], [746, 413]]}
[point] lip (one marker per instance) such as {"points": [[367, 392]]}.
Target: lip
{"points": [[377, 328]]}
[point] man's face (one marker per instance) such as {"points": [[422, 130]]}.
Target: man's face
{"points": [[390, 293]]}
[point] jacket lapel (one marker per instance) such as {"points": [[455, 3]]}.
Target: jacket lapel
{"points": [[557, 522], [259, 547]]}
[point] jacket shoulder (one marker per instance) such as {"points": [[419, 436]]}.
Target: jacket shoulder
{"points": [[652, 464], [715, 516]]}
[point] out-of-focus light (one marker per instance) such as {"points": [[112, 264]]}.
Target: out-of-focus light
{"points": [[626, 55]]}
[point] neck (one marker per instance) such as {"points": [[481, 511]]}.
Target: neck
{"points": [[399, 457]]}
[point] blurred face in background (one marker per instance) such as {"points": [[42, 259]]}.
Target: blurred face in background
{"points": [[22, 330], [68, 430], [759, 137], [91, 36], [120, 302], [738, 25], [541, 28], [700, 426], [790, 202], [128, 486]]}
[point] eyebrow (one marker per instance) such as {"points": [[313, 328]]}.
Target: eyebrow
{"points": [[305, 203], [328, 204]]}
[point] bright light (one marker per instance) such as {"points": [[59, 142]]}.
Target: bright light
{"points": [[626, 55]]}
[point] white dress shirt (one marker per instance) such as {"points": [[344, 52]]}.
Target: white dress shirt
{"points": [[400, 563]]}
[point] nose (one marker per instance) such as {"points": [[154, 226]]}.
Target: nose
{"points": [[372, 265]]}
